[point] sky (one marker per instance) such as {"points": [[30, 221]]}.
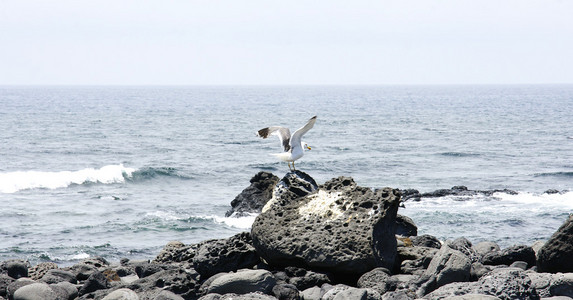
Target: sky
{"points": [[267, 42]]}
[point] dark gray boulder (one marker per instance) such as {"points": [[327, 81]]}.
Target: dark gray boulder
{"points": [[254, 197], [122, 294], [233, 296], [405, 226], [541, 282], [562, 285], [65, 290], [375, 279], [557, 253], [243, 282], [484, 248], [145, 269], [58, 275], [178, 280], [35, 291], [176, 251], [167, 295], [451, 290], [448, 265], [96, 281], [15, 268], [340, 227], [17, 284], [504, 283], [510, 255], [399, 295], [478, 270], [5, 281], [458, 191], [331, 291], [426, 240], [304, 279], [225, 255], [415, 260], [84, 269], [357, 294], [465, 246], [286, 291], [404, 282], [507, 283]]}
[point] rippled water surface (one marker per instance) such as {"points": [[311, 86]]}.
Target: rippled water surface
{"points": [[121, 171]]}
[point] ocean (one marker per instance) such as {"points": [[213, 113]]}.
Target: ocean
{"points": [[120, 171]]}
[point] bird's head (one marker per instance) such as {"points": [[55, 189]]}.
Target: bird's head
{"points": [[305, 146]]}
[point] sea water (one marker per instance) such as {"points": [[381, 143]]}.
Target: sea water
{"points": [[120, 171]]}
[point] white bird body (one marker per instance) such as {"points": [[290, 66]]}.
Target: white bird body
{"points": [[292, 145], [292, 155]]}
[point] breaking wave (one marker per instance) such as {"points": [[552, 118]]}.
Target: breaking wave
{"points": [[11, 182]]}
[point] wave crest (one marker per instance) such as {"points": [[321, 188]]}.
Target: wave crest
{"points": [[12, 182]]}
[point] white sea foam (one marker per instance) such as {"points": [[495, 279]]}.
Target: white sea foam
{"points": [[81, 255], [163, 215], [12, 182], [562, 201], [244, 222]]}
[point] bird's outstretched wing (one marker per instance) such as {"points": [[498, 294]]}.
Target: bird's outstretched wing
{"points": [[282, 132], [297, 135]]}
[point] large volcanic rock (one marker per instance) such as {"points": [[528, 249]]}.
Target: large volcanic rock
{"points": [[254, 197], [339, 227], [557, 254]]}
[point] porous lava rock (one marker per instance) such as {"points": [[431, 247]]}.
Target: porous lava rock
{"points": [[557, 254], [254, 197], [225, 255], [339, 227]]}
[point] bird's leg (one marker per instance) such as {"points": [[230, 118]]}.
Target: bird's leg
{"points": [[288, 162], [293, 166]]}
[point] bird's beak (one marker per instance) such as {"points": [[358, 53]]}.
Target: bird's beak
{"points": [[308, 147]]}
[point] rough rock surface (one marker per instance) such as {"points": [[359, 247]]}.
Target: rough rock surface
{"points": [[459, 191], [243, 282], [225, 255], [504, 283], [57, 275], [254, 197], [483, 248], [426, 241], [38, 271], [180, 281], [447, 266], [176, 251], [557, 253], [301, 278], [510, 255], [415, 260], [35, 291], [375, 279], [15, 268], [340, 227], [405, 226], [122, 294]]}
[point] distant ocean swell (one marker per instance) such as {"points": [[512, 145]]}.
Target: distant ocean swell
{"points": [[12, 182]]}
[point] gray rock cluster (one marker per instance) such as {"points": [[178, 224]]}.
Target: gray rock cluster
{"points": [[332, 241]]}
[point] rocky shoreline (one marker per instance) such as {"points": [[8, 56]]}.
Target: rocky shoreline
{"points": [[333, 241]]}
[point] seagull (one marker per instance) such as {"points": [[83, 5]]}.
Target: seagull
{"points": [[292, 145]]}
